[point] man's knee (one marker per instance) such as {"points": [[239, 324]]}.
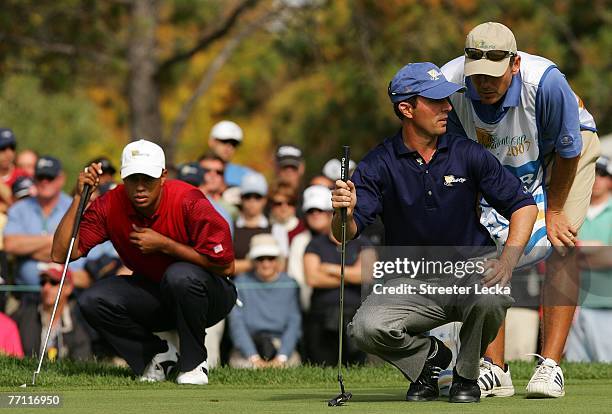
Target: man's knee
{"points": [[92, 301], [492, 304], [181, 276], [366, 331]]}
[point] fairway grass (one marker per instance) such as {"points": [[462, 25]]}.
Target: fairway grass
{"points": [[99, 388]]}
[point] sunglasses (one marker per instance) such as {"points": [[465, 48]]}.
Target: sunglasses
{"points": [[251, 196], [218, 172], [493, 55], [314, 210], [282, 203], [41, 178], [264, 258], [233, 142], [600, 172], [43, 282]]}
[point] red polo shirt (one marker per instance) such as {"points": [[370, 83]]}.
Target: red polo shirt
{"points": [[184, 215]]}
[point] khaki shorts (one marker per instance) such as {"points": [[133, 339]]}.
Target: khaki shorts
{"points": [[579, 196]]}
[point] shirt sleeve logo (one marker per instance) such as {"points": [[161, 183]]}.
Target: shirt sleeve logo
{"points": [[218, 249], [449, 180]]}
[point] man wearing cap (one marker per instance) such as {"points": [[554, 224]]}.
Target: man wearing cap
{"points": [[252, 220], [590, 338], [424, 184], [266, 328], [28, 234], [225, 137], [180, 251], [289, 166], [521, 108], [68, 338]]}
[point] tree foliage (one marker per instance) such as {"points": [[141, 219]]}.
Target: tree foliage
{"points": [[314, 72]]}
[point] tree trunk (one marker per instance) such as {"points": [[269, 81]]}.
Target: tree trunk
{"points": [[143, 91]]}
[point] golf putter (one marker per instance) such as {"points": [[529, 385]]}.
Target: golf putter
{"points": [[75, 229], [344, 396]]}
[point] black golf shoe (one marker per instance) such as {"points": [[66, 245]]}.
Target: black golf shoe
{"points": [[425, 388], [463, 390]]}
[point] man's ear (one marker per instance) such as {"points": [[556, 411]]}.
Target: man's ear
{"points": [[164, 176], [516, 65], [406, 109]]}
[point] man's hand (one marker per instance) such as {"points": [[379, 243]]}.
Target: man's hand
{"points": [[277, 362], [560, 233], [497, 271], [258, 362], [344, 195], [90, 175], [148, 240]]}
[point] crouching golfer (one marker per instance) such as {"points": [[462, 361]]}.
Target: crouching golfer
{"points": [[424, 183], [180, 251]]}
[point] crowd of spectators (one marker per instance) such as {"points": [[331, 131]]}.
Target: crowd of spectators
{"points": [[287, 262]]}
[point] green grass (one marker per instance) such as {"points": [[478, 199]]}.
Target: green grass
{"points": [[93, 388]]}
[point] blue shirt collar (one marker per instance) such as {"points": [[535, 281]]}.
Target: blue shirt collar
{"points": [[512, 97], [402, 149]]}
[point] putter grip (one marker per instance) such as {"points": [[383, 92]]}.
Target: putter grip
{"points": [[344, 170], [80, 209]]}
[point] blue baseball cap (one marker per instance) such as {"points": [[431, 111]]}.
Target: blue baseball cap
{"points": [[7, 138], [191, 173], [421, 79]]}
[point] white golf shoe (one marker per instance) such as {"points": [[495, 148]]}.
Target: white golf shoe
{"points": [[161, 365], [197, 376], [494, 381], [547, 380]]}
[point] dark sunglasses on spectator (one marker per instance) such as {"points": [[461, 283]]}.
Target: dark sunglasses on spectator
{"points": [[44, 178], [251, 195], [601, 172], [233, 142], [218, 172], [314, 210], [264, 258], [493, 55], [45, 281], [281, 203]]}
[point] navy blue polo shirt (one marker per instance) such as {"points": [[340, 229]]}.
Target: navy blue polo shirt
{"points": [[434, 204]]}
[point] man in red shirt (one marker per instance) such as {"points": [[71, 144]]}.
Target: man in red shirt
{"points": [[180, 251]]}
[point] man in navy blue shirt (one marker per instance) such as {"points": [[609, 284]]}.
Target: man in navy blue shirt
{"points": [[425, 185]]}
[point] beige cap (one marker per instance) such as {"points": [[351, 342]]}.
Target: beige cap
{"points": [[263, 244], [489, 36]]}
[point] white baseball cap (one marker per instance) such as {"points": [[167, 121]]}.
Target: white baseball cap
{"points": [[332, 169], [486, 37], [254, 183], [263, 244], [226, 130], [317, 196], [142, 157]]}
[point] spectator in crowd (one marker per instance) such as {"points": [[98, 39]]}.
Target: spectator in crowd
{"points": [[8, 171], [322, 272], [318, 211], [68, 338], [252, 221], [321, 180], [266, 328], [333, 168], [31, 222], [10, 341], [590, 338], [290, 166], [26, 161], [23, 187], [213, 184], [283, 200], [108, 170], [225, 137]]}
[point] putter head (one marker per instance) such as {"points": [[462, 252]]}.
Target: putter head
{"points": [[340, 399], [34, 378]]}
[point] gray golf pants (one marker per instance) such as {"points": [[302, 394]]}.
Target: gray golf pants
{"points": [[393, 326]]}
